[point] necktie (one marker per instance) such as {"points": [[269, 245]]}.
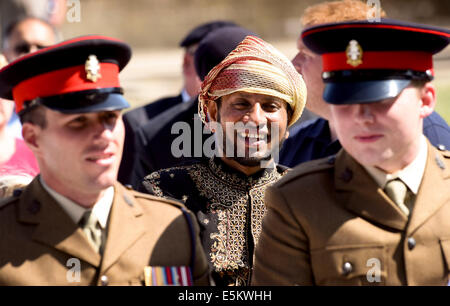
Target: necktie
{"points": [[397, 191], [91, 227]]}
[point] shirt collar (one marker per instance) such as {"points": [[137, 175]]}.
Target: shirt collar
{"points": [[185, 97], [234, 177], [75, 211], [411, 175]]}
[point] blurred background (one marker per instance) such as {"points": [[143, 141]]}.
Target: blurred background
{"points": [[154, 29]]}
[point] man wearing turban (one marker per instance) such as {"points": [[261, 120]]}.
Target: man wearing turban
{"points": [[248, 101]]}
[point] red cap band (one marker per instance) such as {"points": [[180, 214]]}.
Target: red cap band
{"points": [[63, 81], [396, 60]]}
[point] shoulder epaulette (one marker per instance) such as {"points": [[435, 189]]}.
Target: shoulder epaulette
{"points": [[146, 196], [5, 202], [185, 213], [307, 168]]}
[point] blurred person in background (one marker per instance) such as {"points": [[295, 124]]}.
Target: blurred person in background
{"points": [[52, 11], [317, 138], [10, 183], [24, 35], [15, 156]]}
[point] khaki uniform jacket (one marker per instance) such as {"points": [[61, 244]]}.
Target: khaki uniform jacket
{"points": [[40, 244], [329, 223]]}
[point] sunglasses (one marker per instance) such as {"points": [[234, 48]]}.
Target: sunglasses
{"points": [[25, 47]]}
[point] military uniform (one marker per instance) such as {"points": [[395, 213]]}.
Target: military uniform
{"points": [[119, 237], [38, 241], [328, 218], [229, 207]]}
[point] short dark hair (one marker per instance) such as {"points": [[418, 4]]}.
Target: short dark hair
{"points": [[9, 29], [419, 83], [35, 115]]}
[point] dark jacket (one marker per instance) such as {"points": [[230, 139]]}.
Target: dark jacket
{"points": [[154, 140], [133, 120], [229, 207]]}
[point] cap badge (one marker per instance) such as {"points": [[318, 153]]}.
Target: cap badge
{"points": [[92, 68], [354, 53]]}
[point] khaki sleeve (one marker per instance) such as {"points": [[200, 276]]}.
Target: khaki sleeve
{"points": [[282, 254]]}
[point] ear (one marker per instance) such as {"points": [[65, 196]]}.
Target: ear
{"points": [[212, 110], [211, 114], [186, 61], [30, 134], [428, 98]]}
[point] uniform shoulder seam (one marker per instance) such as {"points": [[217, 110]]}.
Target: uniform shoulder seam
{"points": [[7, 201], [307, 168], [146, 196]]}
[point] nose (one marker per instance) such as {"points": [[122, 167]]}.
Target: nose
{"points": [[257, 115], [364, 113], [103, 130], [33, 48], [297, 62]]}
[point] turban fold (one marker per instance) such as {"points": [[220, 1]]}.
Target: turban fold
{"points": [[255, 66]]}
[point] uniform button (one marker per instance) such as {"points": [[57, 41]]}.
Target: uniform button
{"points": [[347, 268], [331, 160], [17, 192], [411, 243], [104, 280], [35, 207], [347, 175], [127, 200], [439, 162]]}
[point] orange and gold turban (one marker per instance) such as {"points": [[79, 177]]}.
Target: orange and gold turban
{"points": [[255, 66]]}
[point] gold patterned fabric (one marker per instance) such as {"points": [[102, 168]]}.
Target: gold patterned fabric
{"points": [[229, 207], [255, 66]]}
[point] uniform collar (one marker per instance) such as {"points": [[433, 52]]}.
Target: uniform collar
{"points": [[411, 175], [185, 97], [231, 176], [75, 211]]}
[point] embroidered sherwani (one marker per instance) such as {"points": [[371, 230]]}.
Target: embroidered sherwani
{"points": [[229, 207]]}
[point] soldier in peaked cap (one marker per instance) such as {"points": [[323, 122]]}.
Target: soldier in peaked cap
{"points": [[376, 213], [75, 224]]}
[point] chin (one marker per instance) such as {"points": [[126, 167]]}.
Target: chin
{"points": [[252, 161], [105, 180]]}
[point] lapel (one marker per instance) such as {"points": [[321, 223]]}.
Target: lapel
{"points": [[54, 227], [433, 189], [126, 225], [360, 194]]}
